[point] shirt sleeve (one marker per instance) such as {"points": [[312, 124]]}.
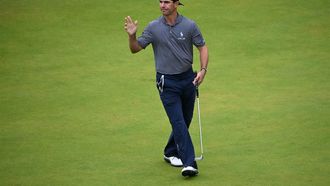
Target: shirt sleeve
{"points": [[197, 37], [146, 38]]}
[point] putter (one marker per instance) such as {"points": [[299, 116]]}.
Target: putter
{"points": [[200, 126]]}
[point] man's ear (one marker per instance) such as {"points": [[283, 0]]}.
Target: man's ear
{"points": [[176, 3]]}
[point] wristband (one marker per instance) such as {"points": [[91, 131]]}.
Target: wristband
{"points": [[204, 69]]}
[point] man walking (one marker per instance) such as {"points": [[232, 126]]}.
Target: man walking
{"points": [[172, 37]]}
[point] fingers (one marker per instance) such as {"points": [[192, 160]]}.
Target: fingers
{"points": [[198, 79], [128, 19]]}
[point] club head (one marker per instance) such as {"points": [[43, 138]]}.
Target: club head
{"points": [[199, 158]]}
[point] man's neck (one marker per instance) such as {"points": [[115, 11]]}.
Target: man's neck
{"points": [[170, 19]]}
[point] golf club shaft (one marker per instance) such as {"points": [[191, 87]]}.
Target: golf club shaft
{"points": [[200, 125]]}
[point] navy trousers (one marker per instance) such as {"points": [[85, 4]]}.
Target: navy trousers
{"points": [[177, 93]]}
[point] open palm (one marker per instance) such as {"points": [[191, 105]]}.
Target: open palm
{"points": [[130, 25]]}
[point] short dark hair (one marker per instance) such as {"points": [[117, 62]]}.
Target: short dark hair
{"points": [[176, 1]]}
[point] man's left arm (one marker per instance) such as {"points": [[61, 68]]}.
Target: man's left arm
{"points": [[204, 60]]}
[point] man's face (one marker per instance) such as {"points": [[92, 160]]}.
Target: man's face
{"points": [[167, 7]]}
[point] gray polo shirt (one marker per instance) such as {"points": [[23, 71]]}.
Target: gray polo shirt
{"points": [[172, 45]]}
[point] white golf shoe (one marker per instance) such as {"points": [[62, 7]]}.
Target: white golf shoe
{"points": [[174, 161], [189, 171]]}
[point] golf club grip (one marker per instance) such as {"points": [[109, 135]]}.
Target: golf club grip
{"points": [[197, 92]]}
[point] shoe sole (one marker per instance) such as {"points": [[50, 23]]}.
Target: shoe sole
{"points": [[168, 161], [189, 173]]}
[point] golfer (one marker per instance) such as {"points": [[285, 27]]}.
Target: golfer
{"points": [[172, 37]]}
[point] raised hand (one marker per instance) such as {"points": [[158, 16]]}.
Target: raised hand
{"points": [[130, 26]]}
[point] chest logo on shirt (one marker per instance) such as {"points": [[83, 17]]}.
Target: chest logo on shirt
{"points": [[181, 37]]}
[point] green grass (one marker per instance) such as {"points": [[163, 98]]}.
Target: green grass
{"points": [[76, 108]]}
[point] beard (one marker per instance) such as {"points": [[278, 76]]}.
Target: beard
{"points": [[166, 12]]}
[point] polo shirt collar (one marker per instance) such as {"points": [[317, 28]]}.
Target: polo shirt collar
{"points": [[177, 20]]}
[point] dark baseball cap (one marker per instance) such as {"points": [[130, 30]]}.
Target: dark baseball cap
{"points": [[179, 2]]}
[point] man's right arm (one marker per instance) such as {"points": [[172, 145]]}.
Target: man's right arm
{"points": [[133, 44], [131, 28]]}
